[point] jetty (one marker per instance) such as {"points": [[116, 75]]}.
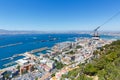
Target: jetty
{"points": [[12, 57], [9, 64], [38, 50], [8, 45], [22, 54]]}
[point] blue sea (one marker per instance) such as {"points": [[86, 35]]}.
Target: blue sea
{"points": [[33, 41]]}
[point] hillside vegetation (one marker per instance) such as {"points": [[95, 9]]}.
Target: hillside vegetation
{"points": [[105, 65]]}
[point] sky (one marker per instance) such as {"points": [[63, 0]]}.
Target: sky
{"points": [[59, 15]]}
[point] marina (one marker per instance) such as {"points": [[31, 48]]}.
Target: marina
{"points": [[9, 64], [12, 57], [22, 54]]}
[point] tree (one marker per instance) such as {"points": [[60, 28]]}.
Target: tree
{"points": [[90, 69], [53, 75], [100, 63], [83, 77], [7, 75], [106, 66], [36, 78], [101, 74], [111, 56], [78, 46], [18, 67], [59, 65]]}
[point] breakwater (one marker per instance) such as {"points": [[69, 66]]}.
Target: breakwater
{"points": [[12, 57], [22, 54], [38, 50], [9, 45]]}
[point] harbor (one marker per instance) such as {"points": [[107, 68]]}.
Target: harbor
{"points": [[34, 51], [61, 52], [59, 40], [22, 54], [12, 57], [65, 52], [9, 64]]}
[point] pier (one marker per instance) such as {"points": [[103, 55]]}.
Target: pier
{"points": [[9, 64], [12, 57], [22, 54], [38, 50]]}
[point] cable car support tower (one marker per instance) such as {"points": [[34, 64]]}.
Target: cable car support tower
{"points": [[96, 35]]}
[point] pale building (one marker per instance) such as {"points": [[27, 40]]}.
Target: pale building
{"points": [[22, 62], [50, 64]]}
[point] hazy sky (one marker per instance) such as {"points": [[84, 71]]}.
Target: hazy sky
{"points": [[60, 15]]}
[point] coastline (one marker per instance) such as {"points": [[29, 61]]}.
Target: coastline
{"points": [[43, 62], [63, 41]]}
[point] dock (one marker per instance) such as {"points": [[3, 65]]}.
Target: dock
{"points": [[12, 57], [22, 54], [38, 50], [9, 64]]}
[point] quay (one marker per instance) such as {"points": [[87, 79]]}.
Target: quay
{"points": [[38, 50], [11, 58], [22, 54], [9, 64]]}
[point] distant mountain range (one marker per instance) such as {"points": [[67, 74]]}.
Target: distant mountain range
{"points": [[12, 32], [2, 32]]}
